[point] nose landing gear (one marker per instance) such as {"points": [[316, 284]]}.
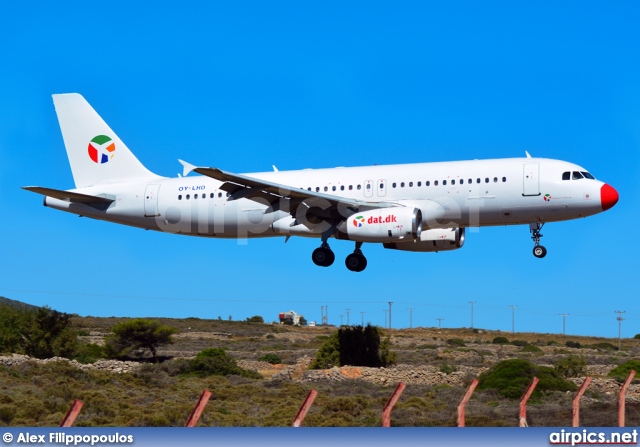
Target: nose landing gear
{"points": [[538, 250]]}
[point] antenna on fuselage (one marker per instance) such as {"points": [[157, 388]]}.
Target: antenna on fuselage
{"points": [[528, 155]]}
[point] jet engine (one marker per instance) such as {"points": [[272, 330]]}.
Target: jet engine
{"points": [[382, 225], [438, 239]]}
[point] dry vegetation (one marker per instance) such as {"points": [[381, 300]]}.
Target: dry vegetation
{"points": [[34, 394]]}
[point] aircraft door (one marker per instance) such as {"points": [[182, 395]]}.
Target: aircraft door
{"points": [[368, 188], [151, 201], [382, 188], [531, 179]]}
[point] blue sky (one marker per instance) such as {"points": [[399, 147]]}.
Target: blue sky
{"points": [[244, 85]]}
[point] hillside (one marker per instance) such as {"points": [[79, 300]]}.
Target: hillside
{"points": [[435, 364]]}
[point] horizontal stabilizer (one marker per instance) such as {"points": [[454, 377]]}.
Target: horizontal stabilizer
{"points": [[67, 195]]}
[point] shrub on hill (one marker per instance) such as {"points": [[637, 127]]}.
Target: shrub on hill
{"points": [[38, 332], [274, 359], [511, 378], [571, 366], [255, 319], [531, 348], [519, 343], [572, 344], [501, 340], [621, 372], [355, 346], [216, 362]]}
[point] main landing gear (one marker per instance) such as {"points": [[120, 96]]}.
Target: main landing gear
{"points": [[356, 262], [323, 256], [538, 250]]}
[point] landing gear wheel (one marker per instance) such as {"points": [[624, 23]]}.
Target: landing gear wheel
{"points": [[539, 251], [356, 262], [323, 256]]}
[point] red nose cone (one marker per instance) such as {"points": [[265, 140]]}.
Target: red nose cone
{"points": [[608, 197]]}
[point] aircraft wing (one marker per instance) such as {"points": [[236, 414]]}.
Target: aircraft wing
{"points": [[67, 195], [245, 187]]}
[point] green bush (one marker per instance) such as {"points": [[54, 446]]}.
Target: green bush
{"points": [[89, 353], [501, 340], [38, 332], [519, 343], [637, 336], [255, 319], [603, 346], [621, 372], [572, 344], [274, 359], [447, 368], [354, 346], [531, 348], [216, 362], [456, 342], [512, 377], [571, 366]]}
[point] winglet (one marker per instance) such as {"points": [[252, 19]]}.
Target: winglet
{"points": [[187, 167], [528, 155]]}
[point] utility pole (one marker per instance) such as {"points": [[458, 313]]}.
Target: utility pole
{"points": [[362, 314], [385, 316], [472, 303], [390, 303], [348, 310], [564, 320], [340, 319], [439, 321], [620, 319], [513, 319], [411, 317]]}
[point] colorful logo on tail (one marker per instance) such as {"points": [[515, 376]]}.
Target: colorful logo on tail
{"points": [[101, 149], [547, 197]]}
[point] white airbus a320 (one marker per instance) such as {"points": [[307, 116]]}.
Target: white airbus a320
{"points": [[423, 207]]}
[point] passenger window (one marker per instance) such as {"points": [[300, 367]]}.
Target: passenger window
{"points": [[402, 185], [195, 196], [587, 175], [341, 187], [566, 176], [228, 194], [428, 183], [410, 184], [309, 188], [350, 187], [495, 180], [504, 179], [453, 182], [381, 185], [219, 194], [333, 188], [180, 197], [419, 184], [326, 188], [368, 185], [462, 181], [211, 196], [435, 183], [317, 189], [359, 187], [444, 182], [188, 197], [394, 184], [478, 181], [486, 180], [470, 181], [577, 175]]}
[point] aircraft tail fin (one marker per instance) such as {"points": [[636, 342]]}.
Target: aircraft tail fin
{"points": [[95, 152]]}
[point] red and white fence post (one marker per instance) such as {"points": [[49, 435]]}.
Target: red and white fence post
{"points": [[198, 409], [72, 414], [523, 402], [575, 422], [465, 400], [386, 412], [306, 405], [622, 398]]}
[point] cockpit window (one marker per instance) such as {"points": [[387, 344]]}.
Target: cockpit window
{"points": [[587, 175], [566, 175], [577, 175]]}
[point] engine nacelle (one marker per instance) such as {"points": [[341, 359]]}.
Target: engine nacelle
{"points": [[438, 239], [383, 225]]}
